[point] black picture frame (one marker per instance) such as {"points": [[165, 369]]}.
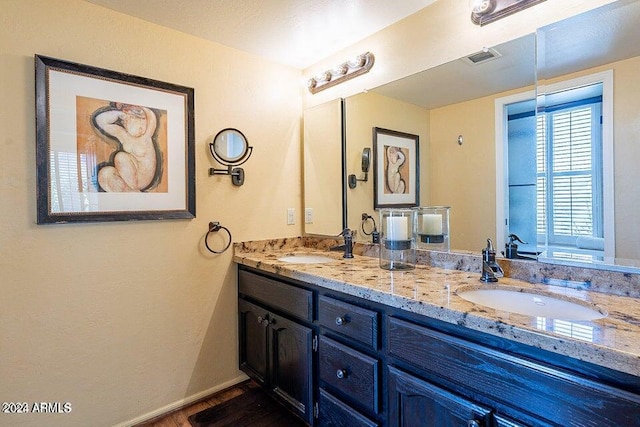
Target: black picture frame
{"points": [[397, 185], [92, 125]]}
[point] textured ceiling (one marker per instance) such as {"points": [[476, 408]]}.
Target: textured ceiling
{"points": [[293, 32]]}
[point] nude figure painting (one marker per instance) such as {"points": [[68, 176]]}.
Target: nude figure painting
{"points": [[123, 146], [396, 176]]}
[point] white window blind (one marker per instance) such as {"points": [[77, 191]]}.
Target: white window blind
{"points": [[569, 165]]}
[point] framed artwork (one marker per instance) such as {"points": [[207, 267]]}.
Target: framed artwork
{"points": [[396, 182], [111, 146]]}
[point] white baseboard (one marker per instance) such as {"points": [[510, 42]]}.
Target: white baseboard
{"points": [[182, 402]]}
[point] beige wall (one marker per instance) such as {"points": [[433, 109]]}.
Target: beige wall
{"points": [[122, 319], [464, 176], [626, 147], [363, 112]]}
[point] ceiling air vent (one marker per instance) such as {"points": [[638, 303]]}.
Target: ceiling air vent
{"points": [[487, 54]]}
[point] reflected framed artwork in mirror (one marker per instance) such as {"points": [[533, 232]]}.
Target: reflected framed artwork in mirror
{"points": [[396, 168], [111, 146]]}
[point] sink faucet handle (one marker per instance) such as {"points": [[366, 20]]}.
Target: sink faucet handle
{"points": [[348, 243], [490, 246], [514, 237]]}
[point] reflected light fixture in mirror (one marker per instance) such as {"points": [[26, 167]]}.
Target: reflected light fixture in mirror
{"points": [[485, 11], [361, 64]]}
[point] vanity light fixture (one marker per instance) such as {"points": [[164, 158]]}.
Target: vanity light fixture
{"points": [[486, 11], [342, 72]]}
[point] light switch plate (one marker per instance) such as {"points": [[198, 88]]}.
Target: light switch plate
{"points": [[291, 216], [308, 215]]}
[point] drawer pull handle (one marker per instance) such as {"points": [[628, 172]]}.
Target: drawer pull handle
{"points": [[340, 321], [341, 373], [473, 423]]}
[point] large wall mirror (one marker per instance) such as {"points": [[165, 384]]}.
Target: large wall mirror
{"points": [[462, 110]]}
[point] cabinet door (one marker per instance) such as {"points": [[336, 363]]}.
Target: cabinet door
{"points": [[416, 403], [253, 329], [291, 364]]}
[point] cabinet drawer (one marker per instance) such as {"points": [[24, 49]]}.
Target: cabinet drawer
{"points": [[334, 413], [553, 395], [290, 299], [349, 320], [351, 374]]}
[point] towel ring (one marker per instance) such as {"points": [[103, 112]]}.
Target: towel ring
{"points": [[214, 227], [374, 233], [365, 219]]}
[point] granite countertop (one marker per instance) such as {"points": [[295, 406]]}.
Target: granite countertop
{"points": [[612, 342]]}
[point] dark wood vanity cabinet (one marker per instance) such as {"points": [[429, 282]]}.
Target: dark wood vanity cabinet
{"points": [[343, 361], [275, 349]]}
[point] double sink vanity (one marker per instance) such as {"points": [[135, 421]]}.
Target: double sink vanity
{"points": [[342, 342]]}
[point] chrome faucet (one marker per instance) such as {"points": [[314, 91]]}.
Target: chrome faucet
{"points": [[491, 270]]}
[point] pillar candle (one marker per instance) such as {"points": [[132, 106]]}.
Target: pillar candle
{"points": [[397, 228], [432, 224]]}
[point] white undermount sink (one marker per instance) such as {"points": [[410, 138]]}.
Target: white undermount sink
{"points": [[305, 259], [532, 304]]}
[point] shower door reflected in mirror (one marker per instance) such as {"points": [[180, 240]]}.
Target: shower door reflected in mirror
{"points": [[572, 53]]}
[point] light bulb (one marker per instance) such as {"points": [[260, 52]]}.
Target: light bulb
{"points": [[481, 7]]}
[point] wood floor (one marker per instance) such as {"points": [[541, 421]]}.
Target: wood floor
{"points": [[180, 418]]}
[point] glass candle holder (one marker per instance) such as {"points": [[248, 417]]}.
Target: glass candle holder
{"points": [[397, 242], [432, 227]]}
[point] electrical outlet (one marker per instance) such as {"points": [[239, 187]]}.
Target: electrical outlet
{"points": [[308, 215], [291, 216]]}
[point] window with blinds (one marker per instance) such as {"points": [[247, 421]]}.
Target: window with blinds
{"points": [[569, 171]]}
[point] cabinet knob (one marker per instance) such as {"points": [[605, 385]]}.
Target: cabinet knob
{"points": [[340, 321], [263, 321], [260, 319], [342, 373], [473, 423]]}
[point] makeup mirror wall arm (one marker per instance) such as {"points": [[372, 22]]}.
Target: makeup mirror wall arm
{"points": [[236, 173]]}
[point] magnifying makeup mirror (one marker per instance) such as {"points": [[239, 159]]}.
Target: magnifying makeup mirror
{"points": [[366, 163], [230, 148]]}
